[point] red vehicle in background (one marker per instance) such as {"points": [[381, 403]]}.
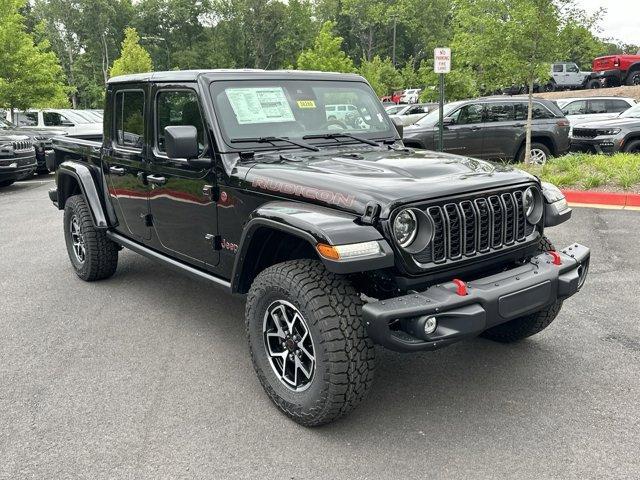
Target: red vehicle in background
{"points": [[616, 70]]}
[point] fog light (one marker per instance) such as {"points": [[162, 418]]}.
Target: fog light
{"points": [[430, 325]]}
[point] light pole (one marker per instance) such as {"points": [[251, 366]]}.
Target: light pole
{"points": [[153, 38]]}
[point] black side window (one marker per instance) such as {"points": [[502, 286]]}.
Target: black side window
{"points": [[51, 119], [540, 112], [500, 112], [597, 106], [520, 111], [470, 114], [617, 106], [129, 118], [26, 119], [579, 107], [557, 68], [174, 108], [572, 68]]}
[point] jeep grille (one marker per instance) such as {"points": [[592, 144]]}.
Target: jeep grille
{"points": [[470, 227], [585, 133], [22, 145]]}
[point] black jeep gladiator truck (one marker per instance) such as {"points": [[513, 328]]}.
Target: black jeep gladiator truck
{"points": [[339, 236]]}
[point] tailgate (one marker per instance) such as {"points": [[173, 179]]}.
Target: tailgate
{"points": [[604, 63]]}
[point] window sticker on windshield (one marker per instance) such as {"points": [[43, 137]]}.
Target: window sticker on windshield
{"points": [[306, 104], [260, 105]]}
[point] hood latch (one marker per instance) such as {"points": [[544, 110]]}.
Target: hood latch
{"points": [[371, 214]]}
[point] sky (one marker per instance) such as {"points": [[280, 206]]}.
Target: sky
{"points": [[622, 20]]}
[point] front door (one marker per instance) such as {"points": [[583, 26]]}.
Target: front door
{"points": [[182, 198], [501, 130], [126, 165], [465, 135]]}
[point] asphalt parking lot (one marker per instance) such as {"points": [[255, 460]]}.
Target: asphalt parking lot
{"points": [[147, 375]]}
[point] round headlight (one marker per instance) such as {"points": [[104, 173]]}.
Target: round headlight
{"points": [[405, 228], [533, 205]]}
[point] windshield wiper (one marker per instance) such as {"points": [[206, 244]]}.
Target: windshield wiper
{"points": [[275, 139], [336, 135]]}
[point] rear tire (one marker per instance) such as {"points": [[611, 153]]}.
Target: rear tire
{"points": [[329, 310], [6, 183], [93, 256], [523, 327], [633, 79], [540, 153], [594, 84]]}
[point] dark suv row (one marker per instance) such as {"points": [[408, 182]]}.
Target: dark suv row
{"points": [[494, 128]]}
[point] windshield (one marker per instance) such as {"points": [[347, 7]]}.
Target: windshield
{"points": [[633, 112], [395, 109], [432, 118], [295, 109]]}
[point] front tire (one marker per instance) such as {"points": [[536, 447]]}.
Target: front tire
{"points": [[528, 325], [633, 147], [6, 183], [308, 344], [93, 256]]}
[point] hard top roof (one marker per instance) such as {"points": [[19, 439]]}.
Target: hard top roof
{"points": [[231, 74]]}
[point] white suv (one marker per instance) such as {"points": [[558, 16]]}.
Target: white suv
{"points": [[77, 123], [411, 95]]}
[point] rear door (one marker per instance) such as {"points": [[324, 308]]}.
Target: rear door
{"points": [[559, 74], [182, 206], [125, 160]]}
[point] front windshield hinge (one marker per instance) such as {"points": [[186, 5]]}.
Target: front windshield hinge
{"points": [[371, 213]]}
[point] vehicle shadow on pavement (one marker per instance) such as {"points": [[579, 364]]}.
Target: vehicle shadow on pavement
{"points": [[446, 388]]}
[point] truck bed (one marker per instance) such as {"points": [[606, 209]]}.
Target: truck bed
{"points": [[67, 148]]}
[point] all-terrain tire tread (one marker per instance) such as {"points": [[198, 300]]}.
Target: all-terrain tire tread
{"points": [[102, 253], [351, 354]]}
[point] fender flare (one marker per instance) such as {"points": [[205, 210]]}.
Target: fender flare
{"points": [[312, 224], [70, 171]]}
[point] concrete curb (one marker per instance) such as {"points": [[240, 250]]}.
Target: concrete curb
{"points": [[621, 201]]}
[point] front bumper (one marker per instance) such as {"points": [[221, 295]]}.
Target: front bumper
{"points": [[398, 323], [18, 167], [601, 145]]}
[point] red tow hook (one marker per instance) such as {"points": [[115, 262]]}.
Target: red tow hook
{"points": [[461, 287], [556, 257]]}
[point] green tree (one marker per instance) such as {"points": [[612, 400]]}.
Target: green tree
{"points": [[326, 54], [133, 57], [30, 75], [510, 41], [381, 74]]}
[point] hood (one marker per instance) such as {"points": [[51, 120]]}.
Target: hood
{"points": [[12, 136], [39, 135], [351, 179], [611, 123]]}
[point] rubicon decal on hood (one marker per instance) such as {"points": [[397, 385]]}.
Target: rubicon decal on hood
{"points": [[327, 196]]}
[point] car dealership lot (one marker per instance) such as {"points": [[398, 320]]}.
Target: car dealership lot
{"points": [[147, 375]]}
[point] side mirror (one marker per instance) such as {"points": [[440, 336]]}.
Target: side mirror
{"points": [[399, 126], [181, 141], [448, 121]]}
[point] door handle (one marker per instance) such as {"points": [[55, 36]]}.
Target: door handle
{"points": [[156, 180], [117, 171], [518, 124], [475, 129]]}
